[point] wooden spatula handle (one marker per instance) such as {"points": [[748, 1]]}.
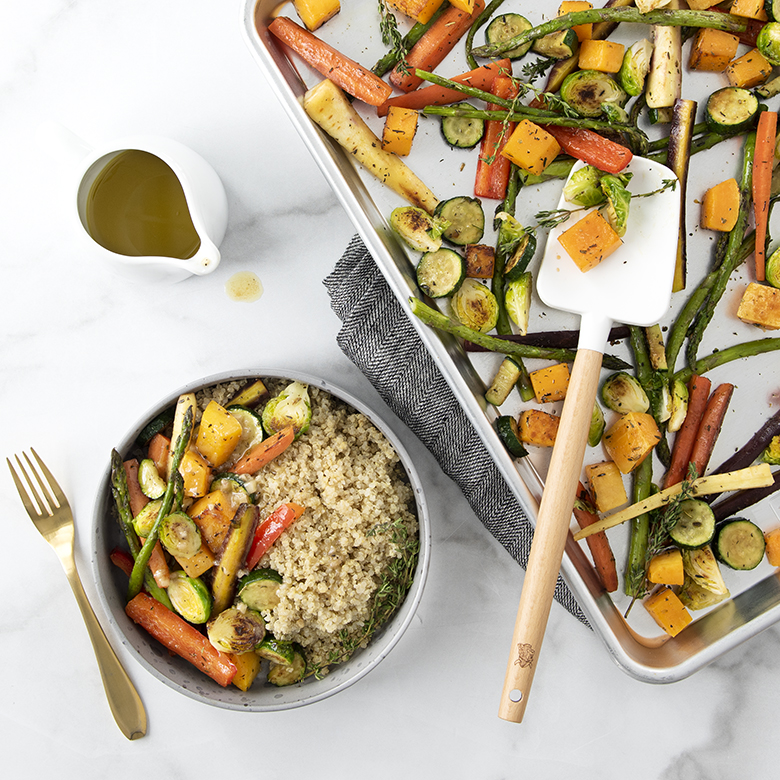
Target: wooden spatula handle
{"points": [[550, 534]]}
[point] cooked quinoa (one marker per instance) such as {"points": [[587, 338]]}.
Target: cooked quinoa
{"points": [[349, 478]]}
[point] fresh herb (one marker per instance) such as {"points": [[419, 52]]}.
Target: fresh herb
{"points": [[391, 36], [395, 583], [533, 70]]}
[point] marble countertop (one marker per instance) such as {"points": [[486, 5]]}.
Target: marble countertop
{"points": [[85, 353]]}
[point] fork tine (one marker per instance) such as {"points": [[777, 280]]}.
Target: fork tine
{"points": [[29, 505], [58, 498], [41, 494]]}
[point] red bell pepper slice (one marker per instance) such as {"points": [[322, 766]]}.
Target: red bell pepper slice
{"points": [[270, 530]]}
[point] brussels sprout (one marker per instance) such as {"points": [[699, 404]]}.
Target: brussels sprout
{"points": [[475, 306], [768, 42], [151, 483], [236, 630], [584, 187], [597, 425], [662, 409], [694, 596], [622, 393], [190, 597], [179, 535], [615, 114], [518, 301], [586, 91], [702, 567], [636, 64], [283, 674], [291, 407], [145, 519], [771, 454], [618, 202], [772, 269], [679, 404], [418, 228]]}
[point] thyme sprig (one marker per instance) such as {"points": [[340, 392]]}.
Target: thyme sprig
{"points": [[393, 586], [391, 36]]}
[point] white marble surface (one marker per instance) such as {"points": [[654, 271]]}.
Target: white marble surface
{"points": [[84, 354]]}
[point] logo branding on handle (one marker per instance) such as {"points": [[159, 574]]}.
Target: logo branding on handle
{"points": [[525, 655]]}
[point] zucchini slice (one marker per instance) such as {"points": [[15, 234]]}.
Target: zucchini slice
{"points": [[504, 28], [558, 45], [259, 590], [462, 132], [252, 431], [740, 544], [466, 218], [731, 110], [232, 487], [505, 379], [155, 426], [696, 525], [289, 674], [276, 651], [441, 273], [521, 257], [509, 432]]}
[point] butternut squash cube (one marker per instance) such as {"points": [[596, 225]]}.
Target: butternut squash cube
{"points": [[760, 305], [197, 474], [752, 9], [590, 240], [584, 31], [314, 13], [666, 568], [218, 434], [772, 550], [720, 206], [631, 439], [212, 515], [197, 564], [606, 485], [399, 130], [749, 70], [713, 50], [467, 6], [550, 383], [604, 56], [419, 10], [248, 666], [530, 147], [480, 261], [668, 611], [538, 428]]}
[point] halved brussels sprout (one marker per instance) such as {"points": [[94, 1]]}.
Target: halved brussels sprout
{"points": [[149, 479], [662, 409], [236, 630], [694, 596], [291, 407], [771, 454], [636, 64], [768, 42], [618, 202], [145, 519], [475, 306], [772, 269], [679, 404], [584, 187], [418, 228], [179, 535], [518, 301], [586, 91], [702, 567], [597, 425], [190, 597], [615, 114], [622, 393]]}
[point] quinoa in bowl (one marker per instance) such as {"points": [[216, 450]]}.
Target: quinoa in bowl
{"points": [[352, 564]]}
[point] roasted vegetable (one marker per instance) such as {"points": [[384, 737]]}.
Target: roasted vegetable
{"points": [[232, 556], [583, 188], [731, 110], [623, 393], [441, 273], [292, 407], [739, 544], [190, 597], [618, 202], [518, 301], [768, 42], [590, 241], [504, 28], [236, 630], [586, 91], [465, 220], [475, 306], [634, 68], [179, 535], [419, 229]]}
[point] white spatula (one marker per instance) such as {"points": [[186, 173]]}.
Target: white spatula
{"points": [[632, 286]]}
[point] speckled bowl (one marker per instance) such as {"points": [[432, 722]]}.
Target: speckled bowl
{"points": [[179, 674]]}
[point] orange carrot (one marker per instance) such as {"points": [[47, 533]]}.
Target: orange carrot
{"points": [[122, 560], [592, 148], [698, 394], [340, 69], [434, 95], [762, 184], [603, 558], [434, 45], [710, 426], [158, 450], [265, 451], [493, 169], [178, 636]]}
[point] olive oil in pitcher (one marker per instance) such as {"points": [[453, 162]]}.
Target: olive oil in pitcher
{"points": [[136, 206]]}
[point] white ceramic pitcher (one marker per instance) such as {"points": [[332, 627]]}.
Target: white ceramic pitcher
{"points": [[203, 192]]}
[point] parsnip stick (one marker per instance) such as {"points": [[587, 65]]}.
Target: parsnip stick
{"points": [[759, 475]]}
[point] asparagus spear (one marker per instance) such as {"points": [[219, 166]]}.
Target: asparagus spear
{"points": [[723, 356], [683, 18], [142, 559], [441, 322], [479, 22]]}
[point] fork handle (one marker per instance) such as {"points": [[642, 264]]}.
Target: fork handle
{"points": [[123, 699]]}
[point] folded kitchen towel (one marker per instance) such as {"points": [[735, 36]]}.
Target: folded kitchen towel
{"points": [[378, 338]]}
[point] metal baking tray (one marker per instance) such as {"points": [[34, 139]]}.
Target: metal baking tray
{"points": [[635, 643]]}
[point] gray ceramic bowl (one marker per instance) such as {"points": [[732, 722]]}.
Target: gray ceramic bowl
{"points": [[179, 674]]}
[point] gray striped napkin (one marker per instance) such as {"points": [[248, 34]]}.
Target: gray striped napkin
{"points": [[378, 338]]}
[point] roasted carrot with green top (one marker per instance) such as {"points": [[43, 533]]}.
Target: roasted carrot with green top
{"points": [[340, 69], [698, 395], [435, 44], [434, 95], [762, 184]]}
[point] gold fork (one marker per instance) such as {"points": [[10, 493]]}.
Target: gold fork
{"points": [[49, 510]]}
